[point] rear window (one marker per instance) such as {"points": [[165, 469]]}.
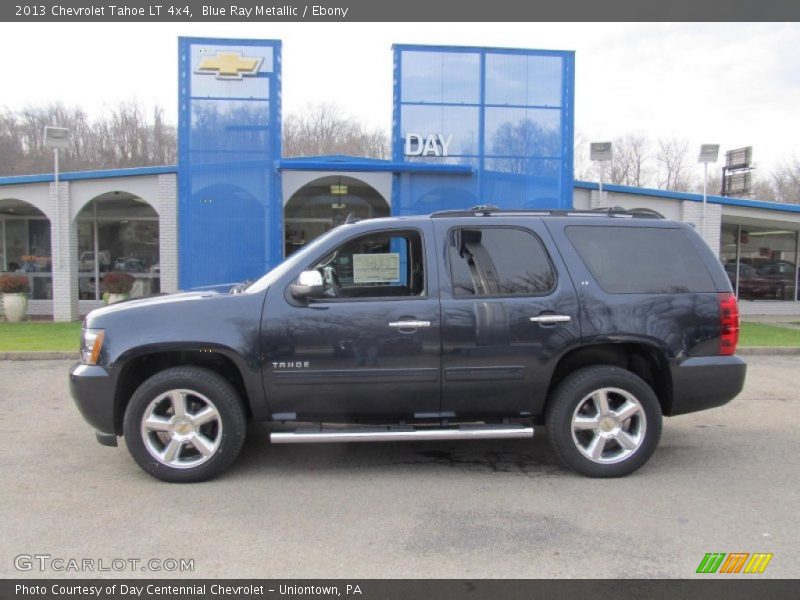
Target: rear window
{"points": [[641, 260]]}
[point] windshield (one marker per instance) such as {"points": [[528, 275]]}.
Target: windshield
{"points": [[287, 265]]}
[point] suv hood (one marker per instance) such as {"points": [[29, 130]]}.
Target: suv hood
{"points": [[151, 301]]}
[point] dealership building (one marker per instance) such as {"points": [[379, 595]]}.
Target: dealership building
{"points": [[469, 126]]}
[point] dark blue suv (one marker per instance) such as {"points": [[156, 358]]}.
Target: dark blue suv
{"points": [[458, 325]]}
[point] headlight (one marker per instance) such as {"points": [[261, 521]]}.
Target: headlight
{"points": [[91, 344]]}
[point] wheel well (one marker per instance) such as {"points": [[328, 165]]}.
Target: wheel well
{"points": [[137, 370], [640, 359]]}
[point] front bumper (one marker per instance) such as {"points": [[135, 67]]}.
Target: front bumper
{"points": [[92, 387], [706, 382]]}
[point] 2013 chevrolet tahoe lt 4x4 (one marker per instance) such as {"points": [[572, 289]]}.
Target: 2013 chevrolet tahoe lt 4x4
{"points": [[458, 325]]}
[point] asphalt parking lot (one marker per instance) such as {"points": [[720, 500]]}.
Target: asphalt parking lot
{"points": [[726, 480]]}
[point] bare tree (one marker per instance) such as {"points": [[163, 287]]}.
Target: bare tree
{"points": [[324, 129], [763, 188], [672, 156], [786, 181], [630, 164], [582, 167], [124, 138]]}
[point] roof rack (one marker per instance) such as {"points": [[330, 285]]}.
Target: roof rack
{"points": [[488, 210]]}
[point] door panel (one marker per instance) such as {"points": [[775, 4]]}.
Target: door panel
{"points": [[496, 360], [357, 357]]}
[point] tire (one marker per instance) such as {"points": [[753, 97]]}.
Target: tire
{"points": [[597, 443], [185, 424]]}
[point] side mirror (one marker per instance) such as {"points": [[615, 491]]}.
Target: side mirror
{"points": [[309, 285]]}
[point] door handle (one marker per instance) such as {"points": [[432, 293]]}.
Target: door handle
{"points": [[548, 319], [409, 324]]}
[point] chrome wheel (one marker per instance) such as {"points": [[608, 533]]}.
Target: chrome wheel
{"points": [[181, 428], [608, 425]]}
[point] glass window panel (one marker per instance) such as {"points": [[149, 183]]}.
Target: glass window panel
{"points": [[452, 77], [375, 266], [523, 80], [16, 242], [524, 132], [641, 260], [37, 264], [728, 249], [498, 261], [768, 264], [462, 123], [39, 244]]}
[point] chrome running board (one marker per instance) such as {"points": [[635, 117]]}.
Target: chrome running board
{"points": [[401, 434]]}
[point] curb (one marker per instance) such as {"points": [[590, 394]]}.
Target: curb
{"points": [[769, 351], [39, 355], [747, 351]]}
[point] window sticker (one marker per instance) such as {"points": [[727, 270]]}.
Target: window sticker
{"points": [[376, 268]]}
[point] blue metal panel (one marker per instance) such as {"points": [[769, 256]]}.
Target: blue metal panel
{"points": [[507, 112], [229, 200]]}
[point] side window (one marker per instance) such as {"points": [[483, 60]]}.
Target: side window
{"points": [[379, 265], [641, 260], [498, 261]]}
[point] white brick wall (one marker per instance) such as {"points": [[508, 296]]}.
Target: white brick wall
{"points": [[692, 212], [168, 231], [64, 243]]}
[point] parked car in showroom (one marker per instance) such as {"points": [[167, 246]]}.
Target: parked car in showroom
{"points": [[459, 325], [86, 261]]}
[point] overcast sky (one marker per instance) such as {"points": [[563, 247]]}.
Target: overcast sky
{"points": [[735, 84]]}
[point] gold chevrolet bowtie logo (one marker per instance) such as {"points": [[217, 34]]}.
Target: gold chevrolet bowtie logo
{"points": [[229, 65]]}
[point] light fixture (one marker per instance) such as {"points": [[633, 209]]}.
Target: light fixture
{"points": [[601, 152], [56, 138], [338, 188], [708, 154], [776, 232]]}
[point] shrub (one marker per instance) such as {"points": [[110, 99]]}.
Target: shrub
{"points": [[14, 284], [117, 282]]}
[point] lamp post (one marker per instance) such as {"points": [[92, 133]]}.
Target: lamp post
{"points": [[56, 138], [708, 154], [601, 152]]}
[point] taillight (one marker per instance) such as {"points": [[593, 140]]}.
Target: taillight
{"points": [[729, 324]]}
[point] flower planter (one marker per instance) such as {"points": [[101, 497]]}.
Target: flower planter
{"points": [[15, 306], [117, 297]]}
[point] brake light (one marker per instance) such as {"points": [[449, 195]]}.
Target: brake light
{"points": [[729, 324]]}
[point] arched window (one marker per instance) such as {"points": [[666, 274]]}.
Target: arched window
{"points": [[325, 203], [25, 245], [118, 231]]}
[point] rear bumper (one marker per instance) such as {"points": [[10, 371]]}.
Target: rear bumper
{"points": [[706, 382], [92, 388]]}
